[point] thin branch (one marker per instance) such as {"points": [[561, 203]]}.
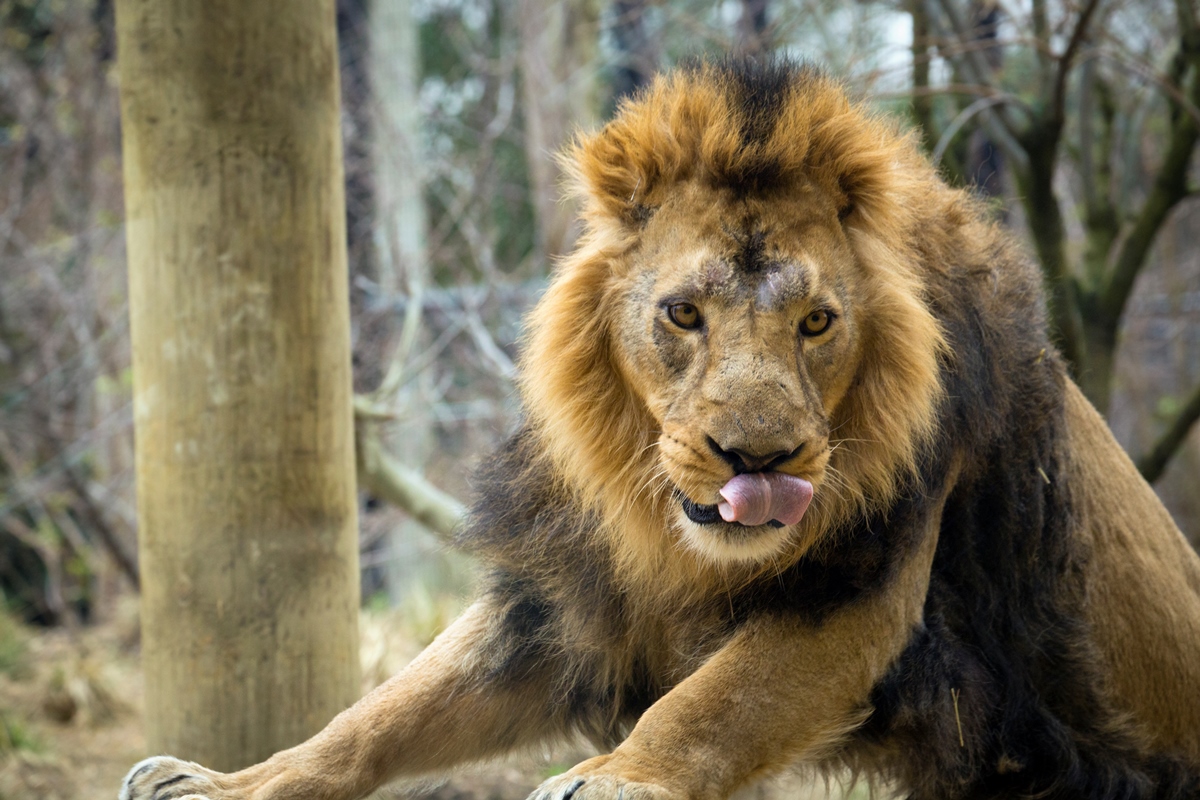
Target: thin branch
{"points": [[404, 487], [1170, 187], [968, 89], [999, 126], [1066, 60], [1168, 84], [502, 365], [964, 116], [126, 561], [1153, 463]]}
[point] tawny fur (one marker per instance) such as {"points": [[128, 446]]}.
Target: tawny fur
{"points": [[984, 599]]}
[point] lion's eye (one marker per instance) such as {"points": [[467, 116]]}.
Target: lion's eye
{"points": [[816, 323], [685, 315]]}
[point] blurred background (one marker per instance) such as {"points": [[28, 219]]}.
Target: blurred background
{"points": [[1077, 120]]}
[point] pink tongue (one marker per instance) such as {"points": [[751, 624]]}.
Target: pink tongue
{"points": [[757, 498]]}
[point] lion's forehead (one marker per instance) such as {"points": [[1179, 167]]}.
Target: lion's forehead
{"points": [[777, 284], [772, 261]]}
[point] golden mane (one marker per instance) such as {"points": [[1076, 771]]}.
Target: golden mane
{"points": [[700, 125]]}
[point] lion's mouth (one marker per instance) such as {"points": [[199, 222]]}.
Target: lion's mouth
{"points": [[709, 515], [754, 499]]}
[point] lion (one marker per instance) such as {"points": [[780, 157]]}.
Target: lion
{"points": [[801, 480]]}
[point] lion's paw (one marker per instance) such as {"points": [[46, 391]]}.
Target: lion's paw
{"points": [[576, 786], [166, 778]]}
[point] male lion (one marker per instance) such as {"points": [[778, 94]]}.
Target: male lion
{"points": [[801, 480]]}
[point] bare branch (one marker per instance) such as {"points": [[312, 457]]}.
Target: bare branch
{"points": [[1000, 126], [404, 487], [1066, 60], [97, 520], [964, 116], [502, 364], [1169, 189], [1163, 83], [1155, 461]]}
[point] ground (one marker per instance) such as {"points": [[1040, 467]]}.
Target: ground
{"points": [[70, 713]]}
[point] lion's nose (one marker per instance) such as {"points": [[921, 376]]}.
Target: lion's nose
{"points": [[743, 460]]}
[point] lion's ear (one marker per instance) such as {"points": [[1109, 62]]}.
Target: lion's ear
{"points": [[609, 177], [678, 126]]}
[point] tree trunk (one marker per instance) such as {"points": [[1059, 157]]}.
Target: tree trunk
{"points": [[240, 331], [637, 57], [400, 235], [558, 51], [752, 34], [395, 67]]}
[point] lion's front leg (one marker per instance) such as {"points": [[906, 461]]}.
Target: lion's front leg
{"points": [[456, 702], [767, 699], [781, 691]]}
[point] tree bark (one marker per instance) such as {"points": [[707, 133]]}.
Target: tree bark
{"points": [[241, 356], [922, 101]]}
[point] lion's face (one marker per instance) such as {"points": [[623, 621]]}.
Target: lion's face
{"points": [[743, 328], [738, 330]]}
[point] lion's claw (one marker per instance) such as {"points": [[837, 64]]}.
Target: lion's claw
{"points": [[166, 778], [598, 787]]}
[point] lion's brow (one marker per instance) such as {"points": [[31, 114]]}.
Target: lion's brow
{"points": [[715, 279], [782, 284]]}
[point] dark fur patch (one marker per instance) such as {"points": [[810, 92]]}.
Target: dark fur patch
{"points": [[998, 691], [860, 560], [751, 257], [758, 89], [641, 214], [761, 88]]}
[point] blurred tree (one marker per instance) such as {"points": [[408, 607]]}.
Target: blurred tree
{"points": [[403, 270], [238, 305], [754, 34], [558, 43], [63, 406], [637, 50], [1078, 76], [398, 165]]}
